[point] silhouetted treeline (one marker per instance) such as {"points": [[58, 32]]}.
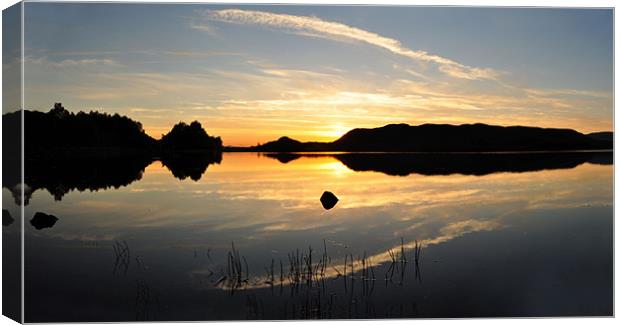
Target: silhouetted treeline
{"points": [[67, 151], [447, 138], [61, 128], [92, 132], [403, 164]]}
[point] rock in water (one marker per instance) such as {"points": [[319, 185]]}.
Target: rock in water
{"points": [[328, 200], [41, 220], [6, 218]]}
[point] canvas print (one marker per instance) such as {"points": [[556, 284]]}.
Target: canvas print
{"points": [[201, 162]]}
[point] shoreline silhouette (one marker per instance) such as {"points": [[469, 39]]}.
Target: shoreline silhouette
{"points": [[64, 174], [91, 151], [96, 133], [436, 138]]}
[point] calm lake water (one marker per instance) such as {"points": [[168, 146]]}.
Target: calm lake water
{"points": [[527, 239]]}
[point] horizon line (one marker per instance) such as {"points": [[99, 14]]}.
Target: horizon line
{"points": [[158, 137]]}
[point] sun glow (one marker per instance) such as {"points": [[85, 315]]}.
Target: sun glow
{"points": [[248, 94], [336, 168], [336, 131]]}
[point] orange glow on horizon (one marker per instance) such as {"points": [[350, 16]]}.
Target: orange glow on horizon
{"points": [[249, 136]]}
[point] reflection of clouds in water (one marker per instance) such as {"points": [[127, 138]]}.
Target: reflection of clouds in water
{"points": [[337, 265], [85, 239], [249, 197], [438, 209], [295, 187], [460, 228]]}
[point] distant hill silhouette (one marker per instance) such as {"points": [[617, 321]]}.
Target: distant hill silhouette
{"points": [[602, 136], [286, 144], [445, 138], [283, 144]]}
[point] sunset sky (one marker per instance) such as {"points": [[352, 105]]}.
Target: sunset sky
{"points": [[254, 73]]}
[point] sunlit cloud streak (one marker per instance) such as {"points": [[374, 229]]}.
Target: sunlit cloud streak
{"points": [[70, 62], [314, 26], [319, 99], [231, 86]]}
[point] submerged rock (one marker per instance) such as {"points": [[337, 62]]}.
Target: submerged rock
{"points": [[6, 217], [328, 200], [41, 220]]}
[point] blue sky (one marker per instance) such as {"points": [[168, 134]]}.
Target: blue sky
{"points": [[254, 73]]}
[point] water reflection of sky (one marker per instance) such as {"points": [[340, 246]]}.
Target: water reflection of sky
{"points": [[268, 208], [259, 199]]}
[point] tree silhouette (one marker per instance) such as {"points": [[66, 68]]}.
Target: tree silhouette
{"points": [[190, 137]]}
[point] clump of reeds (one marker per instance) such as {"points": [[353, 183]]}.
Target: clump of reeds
{"points": [[294, 273], [417, 252], [270, 274], [304, 268], [367, 275], [398, 263], [235, 276], [306, 275], [122, 256]]}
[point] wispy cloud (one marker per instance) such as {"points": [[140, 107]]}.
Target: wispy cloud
{"points": [[570, 92], [305, 25], [203, 27], [262, 96], [71, 62]]}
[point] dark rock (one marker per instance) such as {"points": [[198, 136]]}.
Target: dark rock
{"points": [[41, 220], [6, 217], [328, 200]]}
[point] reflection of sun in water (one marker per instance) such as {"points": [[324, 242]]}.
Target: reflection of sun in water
{"points": [[336, 168]]}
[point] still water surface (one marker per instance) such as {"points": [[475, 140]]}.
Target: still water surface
{"points": [[531, 243]]}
